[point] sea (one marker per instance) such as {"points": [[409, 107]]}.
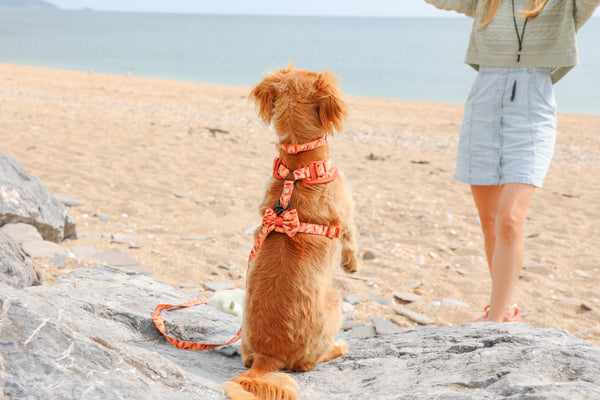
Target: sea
{"points": [[397, 58]]}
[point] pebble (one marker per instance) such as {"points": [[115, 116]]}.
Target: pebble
{"points": [[585, 306], [347, 308], [414, 316], [350, 324], [454, 302], [228, 267], [414, 283], [556, 287], [580, 273], [216, 286], [229, 350], [350, 316], [353, 299], [119, 259], [69, 201], [435, 304], [41, 248], [362, 331], [380, 300], [197, 238], [123, 238], [59, 261], [362, 278], [385, 327], [104, 218], [21, 232], [368, 255], [406, 297], [83, 251]]}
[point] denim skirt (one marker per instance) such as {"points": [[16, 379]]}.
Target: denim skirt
{"points": [[504, 138]]}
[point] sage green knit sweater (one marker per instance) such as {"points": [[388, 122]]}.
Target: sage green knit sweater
{"points": [[549, 41]]}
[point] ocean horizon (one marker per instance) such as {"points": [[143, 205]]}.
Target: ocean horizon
{"points": [[397, 58]]}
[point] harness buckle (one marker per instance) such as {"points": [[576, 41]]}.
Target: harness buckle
{"points": [[280, 171]]}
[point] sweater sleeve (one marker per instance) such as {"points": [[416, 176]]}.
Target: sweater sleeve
{"points": [[467, 7], [583, 10]]}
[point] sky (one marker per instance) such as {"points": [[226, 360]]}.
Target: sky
{"points": [[379, 8]]}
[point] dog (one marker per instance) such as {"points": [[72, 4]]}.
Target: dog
{"points": [[292, 311]]}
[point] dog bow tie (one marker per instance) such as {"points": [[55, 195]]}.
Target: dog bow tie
{"points": [[287, 222]]}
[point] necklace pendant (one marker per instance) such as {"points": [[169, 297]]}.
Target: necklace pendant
{"points": [[514, 91]]}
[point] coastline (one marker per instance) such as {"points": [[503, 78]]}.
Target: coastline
{"points": [[166, 160]]}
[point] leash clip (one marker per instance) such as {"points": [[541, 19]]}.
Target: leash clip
{"points": [[279, 208]]}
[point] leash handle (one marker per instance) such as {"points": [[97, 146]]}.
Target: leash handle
{"points": [[184, 344]]}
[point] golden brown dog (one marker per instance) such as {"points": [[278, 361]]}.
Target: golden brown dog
{"points": [[293, 313]]}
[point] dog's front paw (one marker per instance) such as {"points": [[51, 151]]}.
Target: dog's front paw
{"points": [[350, 263]]}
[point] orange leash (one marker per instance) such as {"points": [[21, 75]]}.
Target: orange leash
{"points": [[184, 344], [279, 219]]}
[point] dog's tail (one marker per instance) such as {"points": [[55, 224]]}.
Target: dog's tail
{"points": [[262, 382]]}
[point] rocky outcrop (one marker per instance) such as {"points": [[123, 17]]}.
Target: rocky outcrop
{"points": [[90, 336], [15, 269], [24, 198]]}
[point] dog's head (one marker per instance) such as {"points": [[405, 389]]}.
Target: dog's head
{"points": [[302, 105]]}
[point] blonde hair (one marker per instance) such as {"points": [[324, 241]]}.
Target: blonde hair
{"points": [[490, 8]]}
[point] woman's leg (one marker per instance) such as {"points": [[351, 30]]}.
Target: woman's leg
{"points": [[486, 200], [504, 238]]}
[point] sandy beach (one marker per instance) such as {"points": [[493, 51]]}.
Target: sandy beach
{"points": [[182, 167]]}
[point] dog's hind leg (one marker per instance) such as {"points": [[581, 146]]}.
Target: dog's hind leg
{"points": [[247, 355], [339, 349]]}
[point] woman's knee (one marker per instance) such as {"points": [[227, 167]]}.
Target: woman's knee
{"points": [[488, 226], [510, 226]]}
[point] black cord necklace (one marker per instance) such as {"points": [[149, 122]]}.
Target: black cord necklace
{"points": [[520, 39]]}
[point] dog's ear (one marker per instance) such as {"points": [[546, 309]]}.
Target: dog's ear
{"points": [[264, 94], [332, 108]]}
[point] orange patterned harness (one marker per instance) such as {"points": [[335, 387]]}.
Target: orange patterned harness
{"points": [[279, 219]]}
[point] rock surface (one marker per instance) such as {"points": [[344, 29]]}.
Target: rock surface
{"points": [[15, 269], [24, 198], [90, 336]]}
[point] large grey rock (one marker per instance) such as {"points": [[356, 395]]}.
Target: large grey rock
{"points": [[15, 269], [90, 336], [24, 198]]}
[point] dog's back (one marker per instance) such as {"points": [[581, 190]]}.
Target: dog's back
{"points": [[293, 312]]}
